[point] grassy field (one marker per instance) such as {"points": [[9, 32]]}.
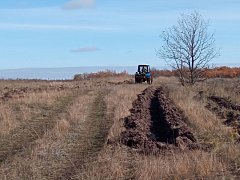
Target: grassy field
{"points": [[74, 129]]}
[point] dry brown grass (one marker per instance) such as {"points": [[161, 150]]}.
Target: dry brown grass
{"points": [[188, 165], [17, 110], [119, 162], [72, 144], [13, 84], [7, 118], [204, 122], [209, 129], [115, 161], [49, 148], [120, 101]]}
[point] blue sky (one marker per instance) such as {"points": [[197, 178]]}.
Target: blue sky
{"points": [[75, 33]]}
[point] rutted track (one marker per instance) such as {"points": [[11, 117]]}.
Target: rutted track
{"points": [[83, 143], [21, 139], [156, 123]]}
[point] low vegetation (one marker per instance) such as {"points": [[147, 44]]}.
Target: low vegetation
{"points": [[100, 74], [107, 127]]}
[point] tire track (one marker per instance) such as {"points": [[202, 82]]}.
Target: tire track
{"points": [[83, 143], [156, 124], [21, 139]]}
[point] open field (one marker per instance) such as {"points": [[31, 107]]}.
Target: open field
{"points": [[111, 128]]}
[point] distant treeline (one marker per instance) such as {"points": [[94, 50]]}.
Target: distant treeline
{"points": [[218, 72], [221, 72]]}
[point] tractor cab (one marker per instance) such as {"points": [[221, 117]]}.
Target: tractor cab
{"points": [[143, 69]]}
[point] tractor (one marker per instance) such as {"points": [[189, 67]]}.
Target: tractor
{"points": [[143, 74]]}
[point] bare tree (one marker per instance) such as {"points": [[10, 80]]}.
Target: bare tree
{"points": [[188, 47]]}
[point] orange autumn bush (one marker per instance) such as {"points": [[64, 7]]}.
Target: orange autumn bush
{"points": [[218, 72], [223, 72]]}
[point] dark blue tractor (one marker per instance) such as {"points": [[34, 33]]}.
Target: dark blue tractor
{"points": [[143, 74]]}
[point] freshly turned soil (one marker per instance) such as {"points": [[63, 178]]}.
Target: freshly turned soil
{"points": [[156, 124]]}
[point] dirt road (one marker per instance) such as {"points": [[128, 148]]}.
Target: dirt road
{"points": [[79, 147], [83, 143]]}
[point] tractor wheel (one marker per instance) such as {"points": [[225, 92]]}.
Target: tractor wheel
{"points": [[149, 80], [136, 81]]}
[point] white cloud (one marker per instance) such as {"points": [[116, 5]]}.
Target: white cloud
{"points": [[85, 49], [77, 4]]}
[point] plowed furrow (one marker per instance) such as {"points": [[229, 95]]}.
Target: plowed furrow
{"points": [[156, 123], [225, 110], [224, 103]]}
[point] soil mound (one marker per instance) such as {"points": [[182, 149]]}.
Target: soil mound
{"points": [[156, 123], [226, 110], [222, 102]]}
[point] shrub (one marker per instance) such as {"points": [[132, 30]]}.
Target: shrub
{"points": [[100, 74]]}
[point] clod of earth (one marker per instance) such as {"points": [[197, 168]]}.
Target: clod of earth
{"points": [[156, 123]]}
